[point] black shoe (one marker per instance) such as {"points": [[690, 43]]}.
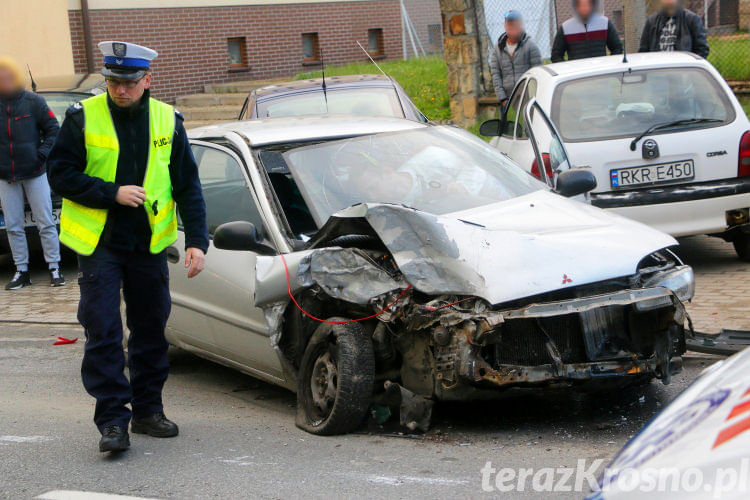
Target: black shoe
{"points": [[56, 278], [20, 280], [157, 425], [114, 438]]}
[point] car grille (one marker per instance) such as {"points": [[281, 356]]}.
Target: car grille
{"points": [[523, 342]]}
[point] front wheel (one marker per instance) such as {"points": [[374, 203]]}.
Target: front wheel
{"points": [[742, 246], [335, 379]]}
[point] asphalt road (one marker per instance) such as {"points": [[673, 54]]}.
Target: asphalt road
{"points": [[238, 437]]}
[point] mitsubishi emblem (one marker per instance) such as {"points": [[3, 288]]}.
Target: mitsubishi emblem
{"points": [[566, 280]]}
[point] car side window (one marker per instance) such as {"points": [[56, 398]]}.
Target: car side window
{"points": [[514, 111], [527, 95], [227, 195]]}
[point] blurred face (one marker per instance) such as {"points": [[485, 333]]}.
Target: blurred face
{"points": [[8, 84], [126, 93], [585, 8], [670, 6], [514, 30]]}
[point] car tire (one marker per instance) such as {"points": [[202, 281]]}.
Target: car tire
{"points": [[741, 244], [335, 379]]}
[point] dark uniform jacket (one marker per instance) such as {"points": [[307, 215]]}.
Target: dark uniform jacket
{"points": [[582, 38], [27, 132], [127, 227], [691, 35]]}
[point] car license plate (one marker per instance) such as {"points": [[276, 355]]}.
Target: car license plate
{"points": [[29, 220], [652, 174]]}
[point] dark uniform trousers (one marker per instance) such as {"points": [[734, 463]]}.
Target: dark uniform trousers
{"points": [[144, 278]]}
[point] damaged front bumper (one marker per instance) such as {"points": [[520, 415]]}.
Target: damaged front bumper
{"points": [[626, 333]]}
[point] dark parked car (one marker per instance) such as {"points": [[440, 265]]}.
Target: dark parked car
{"points": [[59, 92], [361, 95]]}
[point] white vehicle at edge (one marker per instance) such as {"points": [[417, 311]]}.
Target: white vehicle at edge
{"points": [[666, 138], [697, 447]]}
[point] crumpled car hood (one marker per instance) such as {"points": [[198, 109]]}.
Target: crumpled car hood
{"points": [[529, 245]]}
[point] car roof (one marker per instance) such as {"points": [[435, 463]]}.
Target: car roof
{"points": [[80, 83], [608, 64], [266, 131], [316, 84]]}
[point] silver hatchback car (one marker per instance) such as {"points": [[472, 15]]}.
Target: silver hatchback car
{"points": [[379, 260]]}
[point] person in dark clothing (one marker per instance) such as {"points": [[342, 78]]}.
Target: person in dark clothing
{"points": [[121, 162], [674, 28], [26, 137], [513, 55], [586, 34]]}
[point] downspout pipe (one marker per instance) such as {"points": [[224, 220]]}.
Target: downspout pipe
{"points": [[86, 22]]}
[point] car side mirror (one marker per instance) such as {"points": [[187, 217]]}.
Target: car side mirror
{"points": [[241, 235], [575, 181], [490, 128]]}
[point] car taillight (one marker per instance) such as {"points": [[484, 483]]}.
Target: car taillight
{"points": [[547, 166], [743, 169]]}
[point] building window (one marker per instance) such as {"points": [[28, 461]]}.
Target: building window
{"points": [[375, 42], [237, 52], [310, 48], [434, 33]]}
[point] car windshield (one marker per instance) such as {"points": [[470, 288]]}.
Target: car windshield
{"points": [[359, 101], [626, 104], [438, 170], [58, 102]]}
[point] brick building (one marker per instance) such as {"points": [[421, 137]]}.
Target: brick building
{"points": [[209, 41]]}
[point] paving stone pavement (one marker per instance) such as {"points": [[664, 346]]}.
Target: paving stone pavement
{"points": [[722, 298]]}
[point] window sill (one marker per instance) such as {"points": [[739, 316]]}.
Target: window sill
{"points": [[239, 69], [378, 57], [310, 63]]}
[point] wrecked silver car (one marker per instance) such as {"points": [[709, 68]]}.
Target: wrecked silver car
{"points": [[407, 263]]}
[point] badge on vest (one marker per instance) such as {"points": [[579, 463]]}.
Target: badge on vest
{"points": [[160, 142]]}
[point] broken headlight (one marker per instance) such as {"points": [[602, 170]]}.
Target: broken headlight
{"points": [[679, 279]]}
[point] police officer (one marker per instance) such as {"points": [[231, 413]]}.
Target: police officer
{"points": [[122, 162]]}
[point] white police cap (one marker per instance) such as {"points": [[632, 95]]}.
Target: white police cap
{"points": [[126, 60]]}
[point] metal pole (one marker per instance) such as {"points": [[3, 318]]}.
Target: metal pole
{"points": [[705, 13], [403, 32], [86, 23]]}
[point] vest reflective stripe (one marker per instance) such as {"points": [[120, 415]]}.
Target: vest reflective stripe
{"points": [[81, 227]]}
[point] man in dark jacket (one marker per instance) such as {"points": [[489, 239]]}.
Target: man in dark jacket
{"points": [[586, 34], [26, 136], [122, 161], [514, 54], [674, 28]]}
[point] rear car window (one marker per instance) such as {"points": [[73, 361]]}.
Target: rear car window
{"points": [[59, 102], [360, 102], [625, 104]]}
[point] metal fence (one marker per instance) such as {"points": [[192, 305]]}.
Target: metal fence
{"points": [[727, 21]]}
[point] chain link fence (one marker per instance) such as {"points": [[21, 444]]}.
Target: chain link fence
{"points": [[727, 22]]}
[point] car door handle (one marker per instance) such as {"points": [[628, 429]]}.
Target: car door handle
{"points": [[173, 255]]}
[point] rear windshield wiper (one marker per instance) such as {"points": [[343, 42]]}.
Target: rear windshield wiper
{"points": [[688, 121]]}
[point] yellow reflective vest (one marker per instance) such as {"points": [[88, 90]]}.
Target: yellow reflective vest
{"points": [[81, 226]]}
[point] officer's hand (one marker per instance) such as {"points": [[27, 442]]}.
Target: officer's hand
{"points": [[131, 196], [194, 260]]}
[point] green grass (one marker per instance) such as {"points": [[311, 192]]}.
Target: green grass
{"points": [[731, 56], [424, 79]]}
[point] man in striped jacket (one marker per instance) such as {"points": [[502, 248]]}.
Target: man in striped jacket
{"points": [[586, 34]]}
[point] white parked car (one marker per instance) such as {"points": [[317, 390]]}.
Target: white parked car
{"points": [[666, 138]]}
